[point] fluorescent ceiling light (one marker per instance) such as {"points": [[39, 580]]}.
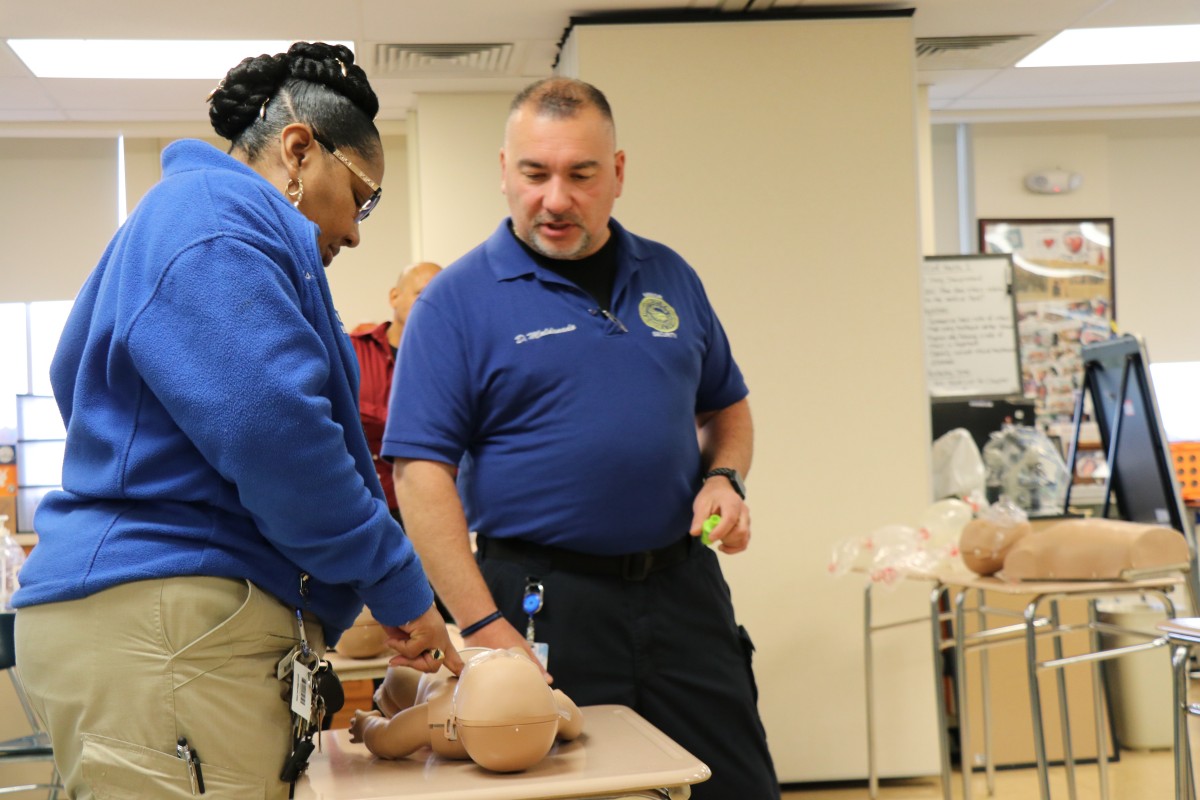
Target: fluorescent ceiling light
{"points": [[1089, 47], [140, 58]]}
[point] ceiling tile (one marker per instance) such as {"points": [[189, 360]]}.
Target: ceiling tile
{"points": [[535, 27]]}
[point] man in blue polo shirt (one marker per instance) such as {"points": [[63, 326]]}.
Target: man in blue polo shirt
{"points": [[566, 390]]}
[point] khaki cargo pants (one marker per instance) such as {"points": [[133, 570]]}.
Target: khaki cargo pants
{"points": [[120, 676]]}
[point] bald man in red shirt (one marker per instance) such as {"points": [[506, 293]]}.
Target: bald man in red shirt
{"points": [[375, 346]]}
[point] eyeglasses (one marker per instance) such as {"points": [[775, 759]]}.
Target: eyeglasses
{"points": [[367, 207]]}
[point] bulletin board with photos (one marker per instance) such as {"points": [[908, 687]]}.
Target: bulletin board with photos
{"points": [[1063, 286], [1063, 281]]}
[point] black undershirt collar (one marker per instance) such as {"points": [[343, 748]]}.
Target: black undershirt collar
{"points": [[594, 274]]}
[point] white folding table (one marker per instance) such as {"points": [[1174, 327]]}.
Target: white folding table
{"points": [[618, 755]]}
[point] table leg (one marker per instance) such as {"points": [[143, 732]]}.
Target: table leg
{"points": [[1035, 700], [966, 762], [1064, 714], [1098, 686], [989, 762], [869, 661], [939, 688], [1184, 789]]}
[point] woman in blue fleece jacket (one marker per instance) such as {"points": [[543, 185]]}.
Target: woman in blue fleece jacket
{"points": [[216, 479]]}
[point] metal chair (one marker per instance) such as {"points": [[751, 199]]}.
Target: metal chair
{"points": [[1184, 637], [36, 745]]}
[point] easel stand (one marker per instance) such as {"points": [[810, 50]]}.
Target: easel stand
{"points": [[1117, 404]]}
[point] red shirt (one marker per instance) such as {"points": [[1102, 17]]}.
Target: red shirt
{"points": [[376, 362]]}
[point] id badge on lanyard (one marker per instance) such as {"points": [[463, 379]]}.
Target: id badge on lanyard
{"points": [[531, 603]]}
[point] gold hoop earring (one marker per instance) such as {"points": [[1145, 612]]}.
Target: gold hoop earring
{"points": [[296, 194]]}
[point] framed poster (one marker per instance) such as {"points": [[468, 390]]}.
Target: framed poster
{"points": [[1063, 285]]}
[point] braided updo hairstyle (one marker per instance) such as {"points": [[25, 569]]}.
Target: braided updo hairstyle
{"points": [[315, 83]]}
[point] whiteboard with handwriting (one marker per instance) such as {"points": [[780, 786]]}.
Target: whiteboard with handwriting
{"points": [[970, 326]]}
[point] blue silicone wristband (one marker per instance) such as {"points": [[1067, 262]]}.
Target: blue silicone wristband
{"points": [[481, 624]]}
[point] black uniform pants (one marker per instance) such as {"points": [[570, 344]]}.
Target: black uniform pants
{"points": [[667, 646]]}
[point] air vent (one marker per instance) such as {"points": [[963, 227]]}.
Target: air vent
{"points": [[398, 60], [975, 52]]}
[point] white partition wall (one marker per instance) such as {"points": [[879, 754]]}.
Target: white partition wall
{"points": [[456, 172], [780, 158]]}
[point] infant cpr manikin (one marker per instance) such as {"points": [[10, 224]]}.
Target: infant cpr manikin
{"points": [[1095, 549], [499, 713], [365, 639]]}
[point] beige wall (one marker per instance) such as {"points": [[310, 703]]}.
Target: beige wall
{"points": [[1143, 173], [360, 278], [143, 167], [32, 219], [1155, 178], [1005, 154], [800, 212], [58, 210]]}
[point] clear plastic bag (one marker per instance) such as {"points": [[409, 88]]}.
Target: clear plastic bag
{"points": [[1023, 464], [957, 465], [887, 554]]}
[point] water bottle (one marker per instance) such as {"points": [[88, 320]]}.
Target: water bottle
{"points": [[12, 556]]}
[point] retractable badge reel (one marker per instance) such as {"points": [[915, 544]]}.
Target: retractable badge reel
{"points": [[531, 603]]}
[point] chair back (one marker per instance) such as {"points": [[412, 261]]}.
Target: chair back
{"points": [[34, 746], [8, 651]]}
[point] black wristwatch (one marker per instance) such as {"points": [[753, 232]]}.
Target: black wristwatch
{"points": [[732, 475]]}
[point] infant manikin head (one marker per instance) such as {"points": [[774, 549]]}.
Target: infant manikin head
{"points": [[986, 542], [365, 639], [503, 712], [499, 713]]}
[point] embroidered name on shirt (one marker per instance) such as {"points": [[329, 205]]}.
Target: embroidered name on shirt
{"points": [[522, 338]]}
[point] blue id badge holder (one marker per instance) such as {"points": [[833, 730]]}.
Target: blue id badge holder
{"points": [[531, 603]]}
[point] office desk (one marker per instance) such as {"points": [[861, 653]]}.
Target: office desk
{"points": [[1030, 624], [1033, 625], [619, 753]]}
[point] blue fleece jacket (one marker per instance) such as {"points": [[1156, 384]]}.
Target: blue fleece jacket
{"points": [[209, 393]]}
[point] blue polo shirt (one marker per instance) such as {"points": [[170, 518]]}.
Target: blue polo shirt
{"points": [[570, 427]]}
